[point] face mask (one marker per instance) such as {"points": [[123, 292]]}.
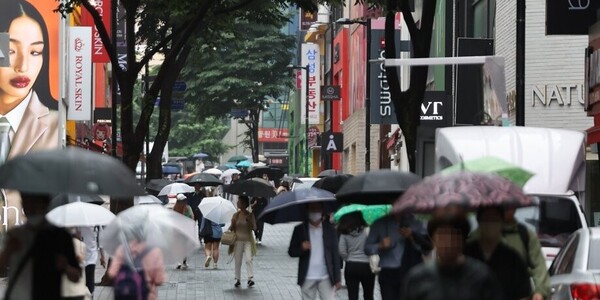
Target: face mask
{"points": [[315, 216], [490, 230]]}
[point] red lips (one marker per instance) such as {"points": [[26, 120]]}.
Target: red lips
{"points": [[20, 82]]}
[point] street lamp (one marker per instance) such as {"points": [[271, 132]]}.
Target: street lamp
{"points": [[367, 24], [306, 86]]}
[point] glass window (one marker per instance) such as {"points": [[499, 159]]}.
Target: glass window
{"points": [[480, 19], [594, 259], [565, 265]]}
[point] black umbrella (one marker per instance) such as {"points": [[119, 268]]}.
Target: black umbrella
{"points": [[291, 206], [203, 179], [253, 187], [291, 179], [329, 172], [332, 183], [71, 170], [157, 184], [376, 187], [273, 173]]}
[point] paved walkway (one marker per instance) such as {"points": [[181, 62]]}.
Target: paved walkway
{"points": [[275, 274]]}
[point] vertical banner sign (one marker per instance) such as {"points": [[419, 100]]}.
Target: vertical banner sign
{"points": [[99, 53], [382, 108], [307, 18], [80, 73], [311, 58]]}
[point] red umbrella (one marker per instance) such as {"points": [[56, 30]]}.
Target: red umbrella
{"points": [[469, 190]]}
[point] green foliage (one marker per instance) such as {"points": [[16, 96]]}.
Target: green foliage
{"points": [[189, 136]]}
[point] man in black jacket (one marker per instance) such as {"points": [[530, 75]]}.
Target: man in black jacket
{"points": [[315, 242]]}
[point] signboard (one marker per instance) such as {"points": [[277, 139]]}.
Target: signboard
{"points": [[436, 109], [99, 53], [332, 142], [573, 17], [239, 113], [80, 73], [313, 136], [180, 86], [331, 92], [312, 59], [307, 18], [103, 115], [273, 135]]}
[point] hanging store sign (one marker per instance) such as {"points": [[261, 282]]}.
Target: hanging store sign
{"points": [[311, 59], [80, 73], [570, 17]]}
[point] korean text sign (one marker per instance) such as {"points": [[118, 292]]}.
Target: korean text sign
{"points": [[311, 58]]}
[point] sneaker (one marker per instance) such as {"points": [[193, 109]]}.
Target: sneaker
{"points": [[259, 242], [178, 267], [237, 283], [215, 266], [250, 283], [207, 261]]}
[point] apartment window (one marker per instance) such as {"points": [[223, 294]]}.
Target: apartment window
{"points": [[484, 16]]}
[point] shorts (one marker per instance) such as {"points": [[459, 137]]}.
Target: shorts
{"points": [[210, 239]]}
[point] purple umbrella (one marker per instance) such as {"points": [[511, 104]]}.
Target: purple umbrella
{"points": [[469, 190]]}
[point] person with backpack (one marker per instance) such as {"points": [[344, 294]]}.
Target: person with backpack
{"points": [[211, 233], [353, 234], [183, 208], [137, 269], [527, 244]]}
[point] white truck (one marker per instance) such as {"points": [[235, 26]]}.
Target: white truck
{"points": [[555, 156]]}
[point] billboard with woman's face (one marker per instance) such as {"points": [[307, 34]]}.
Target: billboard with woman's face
{"points": [[28, 88]]}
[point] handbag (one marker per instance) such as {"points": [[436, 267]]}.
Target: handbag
{"points": [[228, 238]]}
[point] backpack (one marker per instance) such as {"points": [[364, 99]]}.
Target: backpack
{"points": [[131, 284]]}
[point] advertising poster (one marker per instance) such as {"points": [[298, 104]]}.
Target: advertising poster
{"points": [[29, 88]]}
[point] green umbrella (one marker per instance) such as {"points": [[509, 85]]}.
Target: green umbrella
{"points": [[489, 164], [237, 158], [370, 213]]}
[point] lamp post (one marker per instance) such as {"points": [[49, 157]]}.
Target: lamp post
{"points": [[367, 24], [306, 107]]}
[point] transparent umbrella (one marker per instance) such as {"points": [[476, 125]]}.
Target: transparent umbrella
{"points": [[155, 226], [217, 209], [176, 188]]}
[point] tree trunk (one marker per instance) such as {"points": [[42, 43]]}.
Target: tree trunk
{"points": [[255, 125]]}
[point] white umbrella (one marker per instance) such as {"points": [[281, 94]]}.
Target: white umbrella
{"points": [[80, 214], [176, 188], [155, 225], [217, 209], [230, 172], [258, 164], [214, 171], [146, 199]]}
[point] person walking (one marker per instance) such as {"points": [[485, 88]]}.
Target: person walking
{"points": [[353, 234], [183, 208], [76, 290], [505, 263], [526, 243], [211, 233], [89, 236], [283, 187], [193, 200], [258, 205], [315, 243], [242, 224]]}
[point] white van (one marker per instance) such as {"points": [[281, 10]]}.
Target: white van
{"points": [[555, 156]]}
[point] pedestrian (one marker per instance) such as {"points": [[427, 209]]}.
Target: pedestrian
{"points": [[399, 241], [211, 233], [258, 205], [353, 234], [526, 243], [76, 290], [38, 254], [183, 208], [505, 262], [89, 236], [315, 243], [283, 187], [242, 224], [451, 275]]}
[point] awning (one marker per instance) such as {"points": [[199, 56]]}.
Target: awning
{"points": [[593, 133], [391, 141]]}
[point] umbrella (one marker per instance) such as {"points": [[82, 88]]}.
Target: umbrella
{"points": [[217, 209], [230, 172], [244, 164], [203, 179], [230, 165], [253, 187], [469, 190], [376, 187], [291, 179], [489, 164], [213, 171], [176, 188], [157, 184], [79, 214], [155, 225], [171, 169], [287, 207], [332, 183], [200, 155], [273, 173], [329, 172], [63, 199], [146, 199], [370, 213], [237, 158], [259, 164], [223, 168], [70, 170]]}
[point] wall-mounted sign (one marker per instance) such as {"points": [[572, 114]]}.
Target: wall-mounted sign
{"points": [[103, 7], [332, 142], [331, 92], [312, 59], [562, 94], [307, 18], [313, 136], [80, 73], [570, 16], [436, 109]]}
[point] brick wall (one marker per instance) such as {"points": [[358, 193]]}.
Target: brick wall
{"points": [[354, 135]]}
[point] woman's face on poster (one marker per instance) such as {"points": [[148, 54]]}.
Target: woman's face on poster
{"points": [[26, 59]]}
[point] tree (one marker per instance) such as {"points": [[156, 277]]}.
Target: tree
{"points": [[246, 67], [407, 104], [191, 135], [166, 27]]}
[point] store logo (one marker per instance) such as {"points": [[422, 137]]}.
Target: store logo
{"points": [[435, 107], [78, 45], [579, 4]]}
